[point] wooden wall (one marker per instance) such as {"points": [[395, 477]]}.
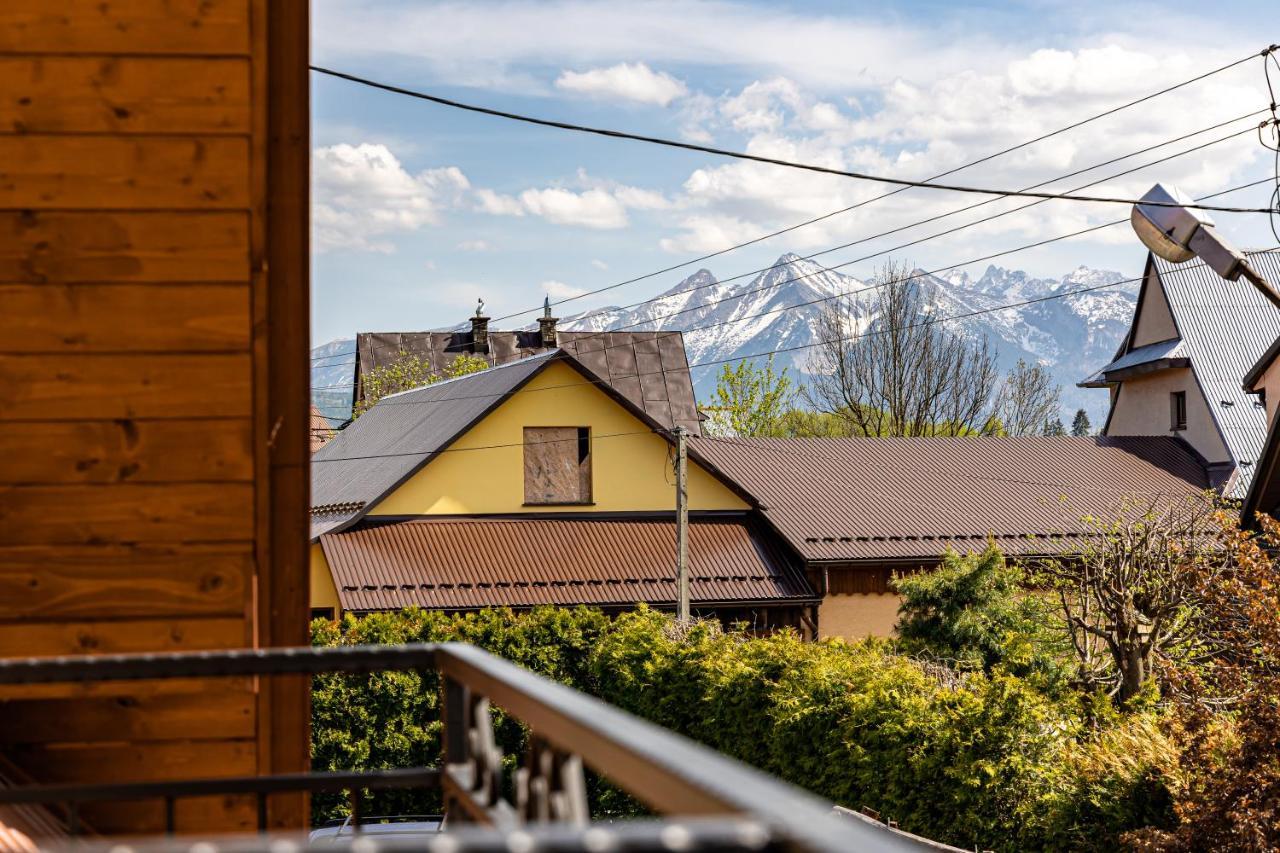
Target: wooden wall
{"points": [[153, 402]]}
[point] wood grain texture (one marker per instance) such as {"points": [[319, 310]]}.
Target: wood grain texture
{"points": [[93, 387], [121, 636], [123, 318], [115, 689], [105, 247], [125, 26], [123, 173], [215, 714], [61, 583], [126, 512], [70, 94], [170, 451]]}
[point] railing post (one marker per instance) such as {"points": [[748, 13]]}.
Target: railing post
{"points": [[454, 723]]}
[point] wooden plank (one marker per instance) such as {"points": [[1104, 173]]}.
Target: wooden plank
{"points": [[69, 94], [123, 318], [101, 247], [123, 173], [135, 26], [96, 387], [215, 714], [282, 252], [126, 512], [120, 636], [198, 817], [47, 583], [169, 451], [116, 689]]}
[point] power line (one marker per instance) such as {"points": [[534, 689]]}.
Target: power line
{"points": [[918, 241], [713, 363], [857, 291], [971, 163], [587, 337], [773, 161]]}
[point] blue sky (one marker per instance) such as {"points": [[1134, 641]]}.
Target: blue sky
{"points": [[420, 210]]}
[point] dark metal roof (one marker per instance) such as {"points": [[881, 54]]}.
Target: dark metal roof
{"points": [[906, 498], [464, 563], [1162, 354], [1226, 327], [388, 443], [649, 368]]}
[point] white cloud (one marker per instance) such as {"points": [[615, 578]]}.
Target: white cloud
{"points": [[558, 290], [590, 209], [473, 246], [498, 204], [626, 81], [599, 264], [362, 196]]}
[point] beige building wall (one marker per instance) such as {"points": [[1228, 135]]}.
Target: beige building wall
{"points": [[1142, 408], [1155, 323], [1269, 384], [859, 615]]}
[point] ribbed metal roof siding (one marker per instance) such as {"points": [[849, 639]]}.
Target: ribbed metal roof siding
{"points": [[1144, 355], [391, 439], [900, 498], [469, 563], [1226, 326], [650, 369]]}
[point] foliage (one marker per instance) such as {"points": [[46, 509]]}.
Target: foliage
{"points": [[806, 423], [972, 758], [1055, 427], [972, 612], [1132, 594], [411, 371], [1080, 426], [1229, 703], [750, 401]]}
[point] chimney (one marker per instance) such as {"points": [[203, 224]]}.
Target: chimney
{"points": [[480, 329], [547, 324]]}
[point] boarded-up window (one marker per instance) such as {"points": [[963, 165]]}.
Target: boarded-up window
{"points": [[557, 465]]}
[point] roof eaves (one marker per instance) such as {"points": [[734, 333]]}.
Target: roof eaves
{"points": [[1260, 367]]}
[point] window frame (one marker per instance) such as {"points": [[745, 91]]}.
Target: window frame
{"points": [[582, 450], [1177, 411]]}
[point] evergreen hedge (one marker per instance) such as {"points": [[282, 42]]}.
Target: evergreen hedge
{"points": [[982, 759]]}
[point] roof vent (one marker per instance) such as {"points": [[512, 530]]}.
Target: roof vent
{"points": [[1228, 403]]}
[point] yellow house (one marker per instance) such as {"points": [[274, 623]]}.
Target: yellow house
{"points": [[534, 482]]}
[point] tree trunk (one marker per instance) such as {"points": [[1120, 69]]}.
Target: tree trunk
{"points": [[1133, 671]]}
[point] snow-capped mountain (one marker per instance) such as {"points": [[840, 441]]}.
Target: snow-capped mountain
{"points": [[778, 311]]}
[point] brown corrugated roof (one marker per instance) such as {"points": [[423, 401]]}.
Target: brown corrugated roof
{"points": [[648, 368], [906, 498], [464, 563]]}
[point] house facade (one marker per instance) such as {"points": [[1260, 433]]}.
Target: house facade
{"points": [[1194, 336], [536, 481]]}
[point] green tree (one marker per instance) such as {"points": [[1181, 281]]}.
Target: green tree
{"points": [[973, 612], [411, 371], [1081, 426], [750, 401], [1054, 427]]}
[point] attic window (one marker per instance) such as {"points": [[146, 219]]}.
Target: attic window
{"points": [[1178, 410], [557, 465]]}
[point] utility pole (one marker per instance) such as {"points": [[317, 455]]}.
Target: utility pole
{"points": [[682, 525]]}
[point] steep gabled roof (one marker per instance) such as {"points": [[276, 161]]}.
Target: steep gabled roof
{"points": [[401, 433], [1225, 328], [648, 368], [1146, 359], [850, 499]]}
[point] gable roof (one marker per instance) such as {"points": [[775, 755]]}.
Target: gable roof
{"points": [[648, 368], [1260, 366], [1225, 328], [402, 432], [839, 499], [465, 563]]}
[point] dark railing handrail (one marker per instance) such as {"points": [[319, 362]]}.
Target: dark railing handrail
{"points": [[669, 772]]}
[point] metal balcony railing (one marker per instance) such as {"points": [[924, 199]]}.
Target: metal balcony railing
{"points": [[707, 801]]}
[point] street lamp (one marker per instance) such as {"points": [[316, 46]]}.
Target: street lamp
{"points": [[1178, 233]]}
